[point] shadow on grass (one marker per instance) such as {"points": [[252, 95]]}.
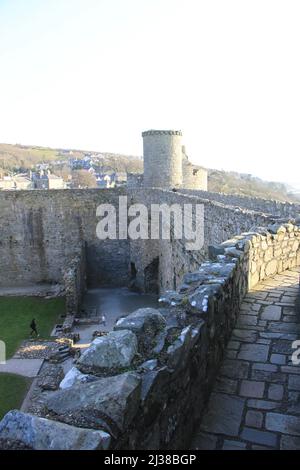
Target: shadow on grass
{"points": [[13, 389]]}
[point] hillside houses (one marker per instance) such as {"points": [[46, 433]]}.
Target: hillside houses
{"points": [[40, 180], [44, 179], [108, 170]]}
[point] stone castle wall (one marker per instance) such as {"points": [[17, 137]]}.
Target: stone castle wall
{"points": [[220, 223], [273, 251], [135, 180], [41, 231]]}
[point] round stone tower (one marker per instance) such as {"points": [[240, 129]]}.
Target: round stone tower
{"points": [[162, 159]]}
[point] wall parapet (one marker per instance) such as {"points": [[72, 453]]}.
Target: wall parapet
{"points": [[272, 250]]}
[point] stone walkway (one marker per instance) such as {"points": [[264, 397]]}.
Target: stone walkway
{"points": [[37, 290], [24, 367], [255, 403]]}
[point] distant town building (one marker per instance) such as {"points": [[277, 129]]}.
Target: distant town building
{"points": [[120, 178], [15, 182], [104, 182], [110, 179], [46, 180]]}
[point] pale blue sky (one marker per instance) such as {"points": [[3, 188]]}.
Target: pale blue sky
{"points": [[94, 74]]}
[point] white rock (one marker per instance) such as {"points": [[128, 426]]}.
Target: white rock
{"points": [[72, 377]]}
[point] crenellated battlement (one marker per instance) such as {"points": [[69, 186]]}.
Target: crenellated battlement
{"points": [[161, 132]]}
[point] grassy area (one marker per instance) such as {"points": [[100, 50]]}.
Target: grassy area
{"points": [[13, 389], [16, 314], [246, 185]]}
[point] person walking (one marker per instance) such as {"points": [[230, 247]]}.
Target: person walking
{"points": [[33, 327]]}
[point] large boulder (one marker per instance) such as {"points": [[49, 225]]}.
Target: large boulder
{"points": [[110, 403], [109, 354], [146, 323], [24, 431]]}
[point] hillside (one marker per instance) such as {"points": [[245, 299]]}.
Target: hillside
{"points": [[248, 185], [19, 157]]}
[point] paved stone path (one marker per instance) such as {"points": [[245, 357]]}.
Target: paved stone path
{"points": [[255, 403], [25, 367], [40, 290]]}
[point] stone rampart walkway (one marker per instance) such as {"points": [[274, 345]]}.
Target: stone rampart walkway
{"points": [[255, 403]]}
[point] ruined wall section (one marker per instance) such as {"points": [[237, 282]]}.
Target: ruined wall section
{"points": [[193, 176]]}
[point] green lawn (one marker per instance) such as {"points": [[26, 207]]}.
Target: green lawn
{"points": [[16, 314], [13, 389]]}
